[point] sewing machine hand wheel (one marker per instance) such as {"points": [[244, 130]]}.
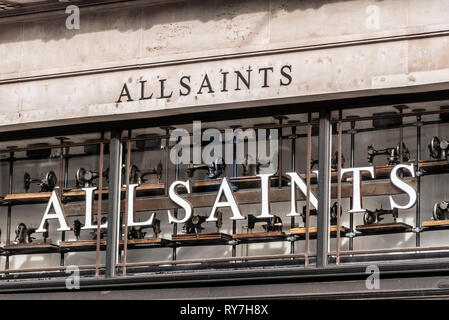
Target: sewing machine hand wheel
{"points": [[50, 180], [434, 148]]}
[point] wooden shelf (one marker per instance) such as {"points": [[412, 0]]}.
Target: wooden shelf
{"points": [[91, 245], [202, 238], [301, 232], [435, 224], [246, 182], [77, 194], [260, 236], [31, 248], [434, 166], [379, 228]]}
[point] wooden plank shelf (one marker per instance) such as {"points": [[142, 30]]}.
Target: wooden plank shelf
{"points": [[379, 228], [77, 194], [91, 245], [246, 182], [434, 166], [202, 238], [301, 232], [30, 248], [435, 224], [260, 236]]}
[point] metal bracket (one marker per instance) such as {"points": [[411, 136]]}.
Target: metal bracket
{"points": [[417, 229], [351, 234]]}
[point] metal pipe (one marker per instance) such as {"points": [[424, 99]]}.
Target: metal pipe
{"points": [[418, 181], [126, 213], [293, 159], [175, 211], [339, 152], [324, 148], [113, 203], [351, 165], [308, 159], [100, 195], [8, 219]]}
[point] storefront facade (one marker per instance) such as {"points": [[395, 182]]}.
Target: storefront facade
{"points": [[341, 84]]}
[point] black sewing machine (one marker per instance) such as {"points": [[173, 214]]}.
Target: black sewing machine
{"points": [[439, 149], [314, 212], [137, 231], [252, 169], [193, 225], [103, 232], [23, 233], [46, 184], [441, 210], [214, 170], [137, 176], [85, 178], [334, 162], [269, 224], [393, 154], [77, 225], [372, 217]]}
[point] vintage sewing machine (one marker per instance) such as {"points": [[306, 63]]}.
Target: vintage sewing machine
{"points": [[334, 162], [394, 154], [46, 184], [252, 169], [77, 225], [373, 217], [314, 212], [214, 170], [441, 210], [194, 224], [439, 149], [272, 224], [103, 232], [23, 233], [85, 178], [137, 231], [137, 176]]}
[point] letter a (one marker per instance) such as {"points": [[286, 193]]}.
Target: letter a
{"points": [[59, 214]]}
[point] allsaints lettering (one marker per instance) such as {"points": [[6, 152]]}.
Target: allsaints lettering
{"points": [[207, 83], [225, 198]]}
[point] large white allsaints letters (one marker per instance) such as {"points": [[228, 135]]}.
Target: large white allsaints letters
{"points": [[186, 205], [131, 197], [58, 214], [88, 216], [403, 186], [265, 186], [356, 196], [225, 188], [295, 180]]}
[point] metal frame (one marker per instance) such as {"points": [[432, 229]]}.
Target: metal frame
{"points": [[323, 254]]}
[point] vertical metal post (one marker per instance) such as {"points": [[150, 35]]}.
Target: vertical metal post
{"points": [[308, 172], [418, 125], [293, 137], [339, 153], [234, 187], [175, 211], [167, 156], [324, 147], [125, 217], [63, 167], [115, 167], [353, 131], [99, 207], [8, 219]]}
